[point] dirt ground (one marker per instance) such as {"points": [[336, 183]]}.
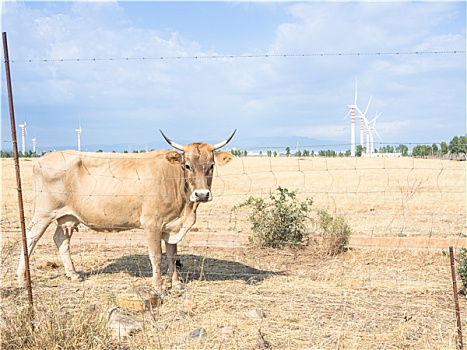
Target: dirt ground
{"points": [[373, 296]]}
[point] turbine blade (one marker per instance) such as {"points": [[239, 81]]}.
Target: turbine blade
{"points": [[359, 111], [376, 132], [374, 119], [367, 123], [368, 105], [346, 115]]}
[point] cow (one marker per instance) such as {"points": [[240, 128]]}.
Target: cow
{"points": [[158, 191]]}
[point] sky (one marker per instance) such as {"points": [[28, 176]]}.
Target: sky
{"points": [[198, 70]]}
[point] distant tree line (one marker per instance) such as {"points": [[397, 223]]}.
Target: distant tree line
{"points": [[30, 154], [239, 153], [27, 154], [456, 146]]}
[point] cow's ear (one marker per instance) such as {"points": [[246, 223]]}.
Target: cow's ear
{"points": [[223, 158], [173, 157]]}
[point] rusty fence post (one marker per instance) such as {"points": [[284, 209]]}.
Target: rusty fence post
{"points": [[460, 344], [17, 168]]}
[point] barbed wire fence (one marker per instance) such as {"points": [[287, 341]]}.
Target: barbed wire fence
{"points": [[391, 289], [279, 55], [404, 213]]}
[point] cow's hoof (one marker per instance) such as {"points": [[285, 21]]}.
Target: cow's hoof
{"points": [[75, 277], [178, 286], [177, 289], [21, 283], [162, 291]]}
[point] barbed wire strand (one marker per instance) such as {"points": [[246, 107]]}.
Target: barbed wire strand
{"points": [[396, 53]]}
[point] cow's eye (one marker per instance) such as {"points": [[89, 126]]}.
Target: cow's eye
{"points": [[210, 170]]}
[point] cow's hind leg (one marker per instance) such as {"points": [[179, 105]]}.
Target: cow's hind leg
{"points": [[171, 262], [34, 232], [62, 238]]}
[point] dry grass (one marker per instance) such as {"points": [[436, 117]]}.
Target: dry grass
{"points": [[379, 197], [370, 299], [362, 299], [383, 196]]}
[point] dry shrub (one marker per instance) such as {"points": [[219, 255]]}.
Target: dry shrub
{"points": [[54, 326], [9, 250], [281, 221], [332, 234]]}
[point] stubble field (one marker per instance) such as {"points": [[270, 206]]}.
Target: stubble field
{"points": [[391, 290]]}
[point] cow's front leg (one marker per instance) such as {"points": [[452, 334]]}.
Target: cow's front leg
{"points": [[62, 238], [171, 262], [155, 255]]}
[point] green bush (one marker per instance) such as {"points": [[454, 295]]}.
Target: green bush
{"points": [[462, 266], [278, 221], [281, 220]]}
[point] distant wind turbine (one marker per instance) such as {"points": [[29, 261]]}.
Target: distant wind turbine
{"points": [[79, 138], [363, 120], [370, 125], [23, 137], [353, 107], [34, 144]]}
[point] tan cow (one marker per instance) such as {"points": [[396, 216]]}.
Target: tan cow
{"points": [[157, 191]]}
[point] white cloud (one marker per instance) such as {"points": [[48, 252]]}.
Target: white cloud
{"points": [[292, 95]]}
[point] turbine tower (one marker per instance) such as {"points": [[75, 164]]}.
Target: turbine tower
{"points": [[23, 138], [79, 138], [368, 151], [362, 128], [373, 131], [352, 122], [34, 144], [363, 120]]}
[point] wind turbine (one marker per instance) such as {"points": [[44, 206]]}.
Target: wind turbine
{"points": [[368, 151], [353, 108], [79, 137], [363, 120], [23, 137], [34, 144]]}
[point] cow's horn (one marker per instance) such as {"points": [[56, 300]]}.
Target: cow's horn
{"points": [[223, 143], [173, 144]]}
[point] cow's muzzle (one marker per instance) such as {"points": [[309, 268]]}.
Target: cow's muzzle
{"points": [[201, 196]]}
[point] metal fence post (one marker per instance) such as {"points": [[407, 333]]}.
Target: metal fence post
{"points": [[460, 344], [17, 168]]}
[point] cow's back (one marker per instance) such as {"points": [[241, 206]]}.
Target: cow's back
{"points": [[106, 191]]}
